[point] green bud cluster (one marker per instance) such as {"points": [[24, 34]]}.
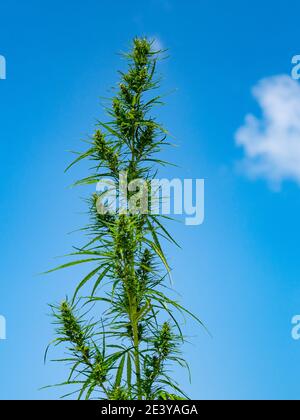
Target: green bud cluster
{"points": [[72, 328], [105, 152], [164, 341]]}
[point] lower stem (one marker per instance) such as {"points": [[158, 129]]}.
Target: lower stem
{"points": [[136, 342], [137, 358]]}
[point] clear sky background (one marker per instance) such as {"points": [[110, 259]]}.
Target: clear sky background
{"points": [[240, 270]]}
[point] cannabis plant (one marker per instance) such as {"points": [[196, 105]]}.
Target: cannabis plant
{"points": [[123, 337]]}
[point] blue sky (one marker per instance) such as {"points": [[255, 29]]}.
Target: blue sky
{"points": [[240, 270]]}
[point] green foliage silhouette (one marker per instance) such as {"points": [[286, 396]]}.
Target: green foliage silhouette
{"points": [[128, 353]]}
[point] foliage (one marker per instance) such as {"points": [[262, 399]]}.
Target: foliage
{"points": [[128, 353]]}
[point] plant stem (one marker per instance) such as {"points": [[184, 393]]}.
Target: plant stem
{"points": [[135, 333], [136, 342]]}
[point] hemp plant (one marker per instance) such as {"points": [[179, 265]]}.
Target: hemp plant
{"points": [[129, 351]]}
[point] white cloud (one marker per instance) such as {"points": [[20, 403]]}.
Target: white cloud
{"points": [[272, 144]]}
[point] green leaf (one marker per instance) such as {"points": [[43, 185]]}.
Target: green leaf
{"points": [[169, 397], [120, 372], [71, 264], [100, 278], [81, 157], [165, 231], [156, 248], [129, 371], [84, 281]]}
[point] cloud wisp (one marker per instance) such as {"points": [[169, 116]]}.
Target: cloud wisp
{"points": [[271, 144]]}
